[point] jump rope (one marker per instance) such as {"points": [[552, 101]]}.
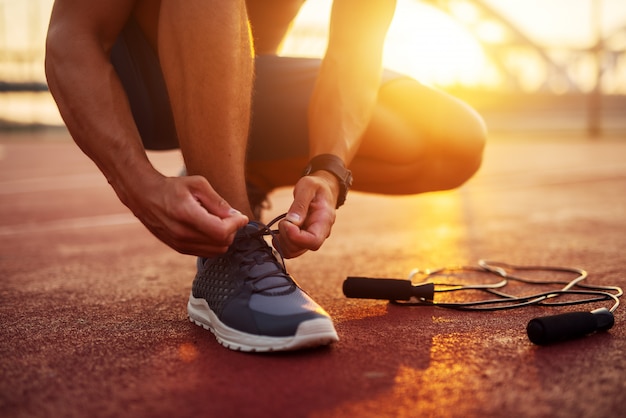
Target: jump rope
{"points": [[541, 331]]}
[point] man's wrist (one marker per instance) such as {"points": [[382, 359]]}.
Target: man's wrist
{"points": [[336, 168], [140, 180], [333, 182]]}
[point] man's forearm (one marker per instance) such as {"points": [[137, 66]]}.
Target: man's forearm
{"points": [[347, 86], [93, 104], [340, 109]]}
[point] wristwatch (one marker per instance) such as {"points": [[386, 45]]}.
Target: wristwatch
{"points": [[335, 166]]}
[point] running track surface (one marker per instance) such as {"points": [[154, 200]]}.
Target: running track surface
{"points": [[93, 315]]}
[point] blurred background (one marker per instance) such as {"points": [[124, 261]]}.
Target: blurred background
{"points": [[555, 66]]}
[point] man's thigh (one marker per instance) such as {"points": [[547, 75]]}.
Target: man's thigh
{"points": [[282, 90], [279, 137], [278, 147], [419, 139]]}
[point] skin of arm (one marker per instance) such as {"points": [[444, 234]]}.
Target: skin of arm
{"points": [[185, 213], [347, 86], [340, 109]]}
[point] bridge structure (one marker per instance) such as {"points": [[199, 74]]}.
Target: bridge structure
{"points": [[526, 65], [521, 64]]}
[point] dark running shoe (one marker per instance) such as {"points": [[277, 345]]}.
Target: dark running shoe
{"points": [[249, 302]]}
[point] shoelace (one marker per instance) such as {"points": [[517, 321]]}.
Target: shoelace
{"points": [[268, 256]]}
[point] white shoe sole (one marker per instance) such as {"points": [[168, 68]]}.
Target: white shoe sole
{"points": [[312, 333]]}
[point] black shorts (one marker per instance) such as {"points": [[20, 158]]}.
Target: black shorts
{"points": [[282, 89]]}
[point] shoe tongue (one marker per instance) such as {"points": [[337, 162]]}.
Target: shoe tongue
{"points": [[262, 265]]}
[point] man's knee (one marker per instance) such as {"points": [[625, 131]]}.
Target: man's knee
{"points": [[465, 155], [475, 141]]}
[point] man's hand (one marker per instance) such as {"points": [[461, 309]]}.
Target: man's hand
{"points": [[186, 214], [311, 216]]}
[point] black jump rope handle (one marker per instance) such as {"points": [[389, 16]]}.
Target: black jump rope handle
{"points": [[541, 331], [567, 326], [386, 289]]}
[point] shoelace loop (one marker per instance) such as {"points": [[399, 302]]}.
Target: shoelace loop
{"points": [[266, 230], [273, 233]]}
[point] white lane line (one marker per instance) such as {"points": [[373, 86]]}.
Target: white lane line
{"points": [[64, 224]]}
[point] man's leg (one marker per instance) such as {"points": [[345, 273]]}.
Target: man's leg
{"points": [[206, 56], [244, 296], [420, 139]]}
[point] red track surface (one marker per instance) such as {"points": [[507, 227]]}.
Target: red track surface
{"points": [[92, 307]]}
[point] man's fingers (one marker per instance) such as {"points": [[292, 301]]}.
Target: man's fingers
{"points": [[209, 199], [286, 240], [211, 206], [303, 194], [295, 240], [192, 218], [309, 219]]}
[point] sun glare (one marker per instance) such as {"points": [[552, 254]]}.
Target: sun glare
{"points": [[422, 42], [427, 44]]}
